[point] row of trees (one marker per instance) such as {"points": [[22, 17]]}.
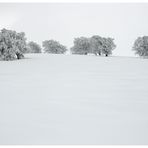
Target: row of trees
{"points": [[13, 45]]}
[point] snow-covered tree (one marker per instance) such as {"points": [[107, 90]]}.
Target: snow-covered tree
{"points": [[12, 44], [141, 46], [96, 44], [108, 46], [52, 46], [33, 47], [81, 46]]}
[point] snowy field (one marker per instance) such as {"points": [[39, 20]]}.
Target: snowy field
{"points": [[74, 99]]}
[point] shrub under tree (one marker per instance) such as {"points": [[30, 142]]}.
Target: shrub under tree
{"points": [[12, 45], [141, 46], [52, 46], [33, 47]]}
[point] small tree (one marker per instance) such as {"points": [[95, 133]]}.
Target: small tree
{"points": [[33, 48], [141, 46], [108, 46], [51, 46], [96, 44], [81, 46], [12, 44]]}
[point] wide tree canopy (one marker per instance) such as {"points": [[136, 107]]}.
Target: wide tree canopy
{"points": [[12, 44], [52, 46], [141, 46], [96, 45]]}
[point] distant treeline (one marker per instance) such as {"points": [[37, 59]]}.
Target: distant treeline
{"points": [[13, 45]]}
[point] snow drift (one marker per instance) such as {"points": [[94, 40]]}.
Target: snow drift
{"points": [[73, 99]]}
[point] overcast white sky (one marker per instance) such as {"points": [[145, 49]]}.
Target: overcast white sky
{"points": [[65, 21]]}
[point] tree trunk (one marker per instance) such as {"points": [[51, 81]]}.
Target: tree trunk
{"points": [[19, 55]]}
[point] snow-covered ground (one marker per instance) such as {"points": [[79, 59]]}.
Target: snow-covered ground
{"points": [[73, 99]]}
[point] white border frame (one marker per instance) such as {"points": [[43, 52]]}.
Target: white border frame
{"points": [[73, 1]]}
